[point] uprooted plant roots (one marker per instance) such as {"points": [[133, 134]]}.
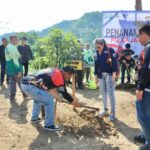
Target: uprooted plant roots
{"points": [[85, 124]]}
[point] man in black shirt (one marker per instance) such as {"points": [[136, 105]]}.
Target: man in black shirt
{"points": [[143, 90], [127, 63], [47, 85], [3, 60], [26, 55]]}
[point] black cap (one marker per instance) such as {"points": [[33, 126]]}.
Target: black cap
{"points": [[24, 38], [68, 69]]}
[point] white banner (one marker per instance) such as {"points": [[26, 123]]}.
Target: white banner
{"points": [[121, 27]]}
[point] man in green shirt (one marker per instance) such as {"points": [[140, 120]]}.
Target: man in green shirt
{"points": [[88, 60], [13, 66]]}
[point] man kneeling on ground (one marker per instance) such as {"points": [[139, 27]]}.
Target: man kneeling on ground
{"points": [[46, 86]]}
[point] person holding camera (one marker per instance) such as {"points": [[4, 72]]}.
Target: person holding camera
{"points": [[127, 63]]}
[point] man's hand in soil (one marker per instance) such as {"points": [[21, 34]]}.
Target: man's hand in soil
{"points": [[139, 95], [76, 103]]}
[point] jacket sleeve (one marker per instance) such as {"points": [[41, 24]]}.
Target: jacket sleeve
{"points": [[95, 63], [30, 52], [114, 60], [95, 68], [65, 94], [144, 81]]}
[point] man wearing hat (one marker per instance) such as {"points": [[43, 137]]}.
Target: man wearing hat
{"points": [[127, 63], [26, 54]]}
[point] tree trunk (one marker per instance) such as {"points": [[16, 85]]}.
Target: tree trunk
{"points": [[138, 5]]}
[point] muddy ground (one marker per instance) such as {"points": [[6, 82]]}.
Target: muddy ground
{"points": [[81, 129]]}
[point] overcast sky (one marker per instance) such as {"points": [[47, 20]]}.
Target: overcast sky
{"points": [[24, 15]]}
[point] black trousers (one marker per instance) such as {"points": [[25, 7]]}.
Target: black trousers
{"points": [[123, 71], [79, 77], [87, 71], [3, 71], [26, 67]]}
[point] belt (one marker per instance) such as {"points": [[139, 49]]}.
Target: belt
{"points": [[30, 83], [147, 90], [27, 83]]}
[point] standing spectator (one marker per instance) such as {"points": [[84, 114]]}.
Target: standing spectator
{"points": [[143, 90], [3, 61], [26, 54], [127, 63], [79, 73], [88, 61], [13, 66], [105, 71]]}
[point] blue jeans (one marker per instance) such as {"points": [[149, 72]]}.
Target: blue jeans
{"points": [[40, 97], [143, 114], [107, 87]]}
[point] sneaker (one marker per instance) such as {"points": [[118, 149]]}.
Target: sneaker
{"points": [[111, 117], [139, 138], [103, 114], [145, 147], [52, 128], [36, 121]]}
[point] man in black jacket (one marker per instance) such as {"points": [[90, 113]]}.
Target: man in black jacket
{"points": [[3, 60], [26, 54], [143, 90]]}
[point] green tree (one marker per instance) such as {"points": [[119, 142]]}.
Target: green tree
{"points": [[55, 49]]}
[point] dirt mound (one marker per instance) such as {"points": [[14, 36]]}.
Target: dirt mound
{"points": [[85, 124]]}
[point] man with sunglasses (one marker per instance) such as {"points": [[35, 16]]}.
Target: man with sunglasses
{"points": [[105, 71], [143, 91]]}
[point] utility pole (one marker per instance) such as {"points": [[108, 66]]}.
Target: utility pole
{"points": [[138, 5]]}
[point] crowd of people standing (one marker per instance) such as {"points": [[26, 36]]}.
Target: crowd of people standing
{"points": [[48, 84]]}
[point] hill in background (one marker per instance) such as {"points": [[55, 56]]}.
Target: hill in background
{"points": [[86, 28]]}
